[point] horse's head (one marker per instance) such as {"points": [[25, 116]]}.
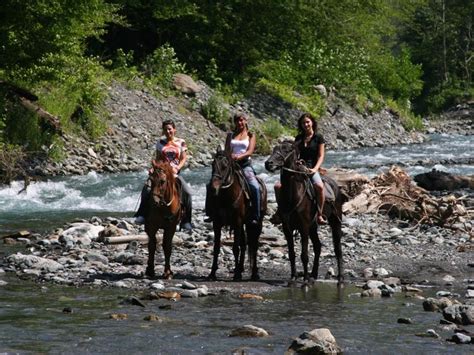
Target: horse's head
{"points": [[162, 180], [222, 169], [279, 154]]}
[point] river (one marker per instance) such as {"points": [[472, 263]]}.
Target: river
{"points": [[31, 317]]}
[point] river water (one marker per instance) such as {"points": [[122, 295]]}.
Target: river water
{"points": [[31, 317]]}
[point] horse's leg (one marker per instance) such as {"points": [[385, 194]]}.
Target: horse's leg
{"points": [[168, 234], [238, 246], [217, 248], [304, 252], [290, 241], [150, 269], [253, 235], [313, 234], [336, 228]]}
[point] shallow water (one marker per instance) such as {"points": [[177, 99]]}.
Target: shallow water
{"points": [[35, 322]]}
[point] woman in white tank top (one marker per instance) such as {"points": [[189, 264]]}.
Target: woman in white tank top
{"points": [[241, 145]]}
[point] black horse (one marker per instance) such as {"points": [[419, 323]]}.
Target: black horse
{"points": [[298, 209], [230, 207]]}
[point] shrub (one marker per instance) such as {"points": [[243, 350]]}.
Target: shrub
{"points": [[215, 111], [161, 65]]}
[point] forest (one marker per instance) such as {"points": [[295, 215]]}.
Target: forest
{"points": [[414, 56]]}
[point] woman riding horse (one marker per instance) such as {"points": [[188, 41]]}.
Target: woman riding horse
{"points": [[310, 144], [163, 211], [172, 150], [225, 200]]}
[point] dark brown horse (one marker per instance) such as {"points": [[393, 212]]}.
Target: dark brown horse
{"points": [[163, 212], [298, 209], [228, 202]]}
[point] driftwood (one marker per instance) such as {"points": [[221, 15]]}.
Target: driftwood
{"points": [[142, 238], [395, 194], [437, 180]]}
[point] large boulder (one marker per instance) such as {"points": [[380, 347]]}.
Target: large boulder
{"points": [[186, 84], [459, 314], [21, 261], [317, 341]]}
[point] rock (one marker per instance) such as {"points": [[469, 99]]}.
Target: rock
{"points": [[372, 284], [321, 89], [152, 318], [185, 84], [96, 257], [133, 301], [249, 331], [188, 286], [3, 283], [170, 295], [460, 338], [190, 293], [459, 314], [34, 262], [404, 321], [118, 316], [430, 333], [84, 232], [392, 281], [250, 296], [469, 294], [317, 341], [157, 286], [373, 292], [381, 272]]}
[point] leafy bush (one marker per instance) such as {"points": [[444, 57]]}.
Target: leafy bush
{"points": [[161, 65], [215, 111], [409, 120], [269, 131], [442, 98]]}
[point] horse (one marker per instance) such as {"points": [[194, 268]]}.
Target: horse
{"points": [[230, 208], [298, 209], [163, 211]]}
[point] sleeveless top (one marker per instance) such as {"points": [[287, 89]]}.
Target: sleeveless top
{"points": [[171, 151], [309, 153], [240, 147]]}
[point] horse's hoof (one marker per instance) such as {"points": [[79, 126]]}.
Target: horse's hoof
{"points": [[150, 274], [237, 277], [340, 283], [255, 277], [168, 275]]}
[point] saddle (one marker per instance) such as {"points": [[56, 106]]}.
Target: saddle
{"points": [[246, 187], [329, 195]]}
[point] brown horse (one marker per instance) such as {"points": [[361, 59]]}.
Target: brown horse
{"points": [[298, 209], [163, 212], [230, 208]]}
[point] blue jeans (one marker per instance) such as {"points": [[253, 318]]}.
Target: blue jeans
{"points": [[254, 190]]}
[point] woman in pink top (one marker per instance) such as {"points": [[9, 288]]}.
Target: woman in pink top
{"points": [[173, 150]]}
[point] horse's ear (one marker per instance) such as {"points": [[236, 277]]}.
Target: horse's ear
{"points": [[219, 149]]}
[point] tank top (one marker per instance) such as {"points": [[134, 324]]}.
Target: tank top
{"points": [[239, 146]]}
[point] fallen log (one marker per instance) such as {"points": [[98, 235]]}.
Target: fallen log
{"points": [[142, 238], [436, 180]]}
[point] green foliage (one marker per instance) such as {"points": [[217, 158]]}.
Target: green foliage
{"points": [[215, 111], [444, 97], [269, 131], [409, 120], [311, 102], [161, 65], [211, 75]]}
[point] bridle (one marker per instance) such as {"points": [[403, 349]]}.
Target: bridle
{"points": [[166, 185], [223, 174]]}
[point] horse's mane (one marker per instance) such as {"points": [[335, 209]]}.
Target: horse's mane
{"points": [[164, 166]]}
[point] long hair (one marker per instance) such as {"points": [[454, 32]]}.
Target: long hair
{"points": [[300, 122], [237, 116]]}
